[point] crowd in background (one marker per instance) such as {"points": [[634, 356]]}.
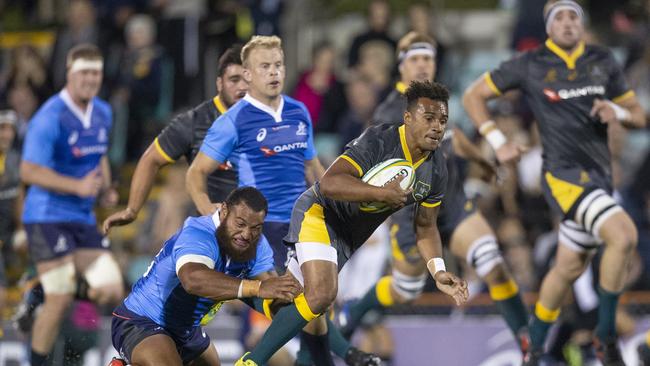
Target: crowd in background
{"points": [[161, 58]]}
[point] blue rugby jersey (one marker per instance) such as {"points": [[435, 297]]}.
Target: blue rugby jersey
{"points": [[159, 295], [70, 142], [268, 149]]}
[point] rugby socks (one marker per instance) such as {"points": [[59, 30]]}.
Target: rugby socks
{"points": [[507, 299], [338, 344], [540, 324], [378, 297], [285, 325], [303, 358], [37, 359], [606, 328], [318, 346]]}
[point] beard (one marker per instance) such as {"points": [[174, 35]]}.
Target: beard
{"points": [[224, 239]]}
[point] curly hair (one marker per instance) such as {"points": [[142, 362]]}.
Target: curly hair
{"points": [[426, 89]]}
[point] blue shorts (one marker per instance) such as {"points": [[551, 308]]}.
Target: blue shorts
{"points": [[53, 240], [128, 329], [274, 233]]}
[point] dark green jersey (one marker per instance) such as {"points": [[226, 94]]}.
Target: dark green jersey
{"points": [[375, 145], [561, 89]]}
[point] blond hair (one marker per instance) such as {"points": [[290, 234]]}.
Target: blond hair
{"points": [[268, 42]]}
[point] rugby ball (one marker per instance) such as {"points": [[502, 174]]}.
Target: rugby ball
{"points": [[384, 173]]}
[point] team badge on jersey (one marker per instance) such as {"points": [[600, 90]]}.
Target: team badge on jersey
{"points": [[421, 190], [302, 129]]}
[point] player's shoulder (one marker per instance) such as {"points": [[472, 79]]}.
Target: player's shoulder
{"points": [[201, 223], [291, 104], [50, 110], [382, 130], [598, 51], [102, 106]]}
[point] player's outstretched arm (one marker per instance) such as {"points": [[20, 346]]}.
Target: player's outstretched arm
{"points": [[430, 247], [198, 279], [475, 102], [141, 183], [44, 177], [341, 182], [196, 182]]}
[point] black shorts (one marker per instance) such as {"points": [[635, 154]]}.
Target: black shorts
{"points": [[275, 233], [53, 240], [128, 329]]}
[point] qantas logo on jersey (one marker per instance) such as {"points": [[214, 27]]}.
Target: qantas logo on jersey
{"points": [[284, 147], [80, 152], [564, 94]]}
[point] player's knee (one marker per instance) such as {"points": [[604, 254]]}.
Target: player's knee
{"points": [[105, 279], [408, 288], [484, 255], [319, 299], [569, 270], [59, 285], [497, 275]]}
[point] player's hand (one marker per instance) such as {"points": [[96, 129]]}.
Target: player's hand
{"points": [[90, 184], [284, 288], [119, 218], [393, 194], [509, 152], [451, 285], [109, 198], [604, 111]]}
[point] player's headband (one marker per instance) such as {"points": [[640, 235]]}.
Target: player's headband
{"points": [[417, 48], [8, 117], [86, 64], [562, 5]]}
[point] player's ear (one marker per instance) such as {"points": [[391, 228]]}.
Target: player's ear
{"points": [[219, 84], [407, 117], [247, 75], [223, 211]]}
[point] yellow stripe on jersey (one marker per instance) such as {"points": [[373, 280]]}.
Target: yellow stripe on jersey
{"points": [[383, 291], [3, 160], [396, 251], [162, 152], [304, 309], [354, 164], [312, 228], [400, 87], [622, 97], [430, 205], [504, 291], [490, 83], [219, 104], [405, 147], [571, 59], [544, 314], [565, 193]]}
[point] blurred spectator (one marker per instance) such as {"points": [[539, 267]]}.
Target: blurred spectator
{"points": [[266, 16], [24, 101], [10, 195], [28, 69], [80, 27], [141, 85], [378, 21], [529, 30], [313, 84], [361, 100], [375, 63]]}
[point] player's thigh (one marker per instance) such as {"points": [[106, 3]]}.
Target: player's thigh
{"points": [[467, 232], [619, 227], [157, 349], [210, 357], [570, 263]]}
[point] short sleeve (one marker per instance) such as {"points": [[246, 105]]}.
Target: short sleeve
{"points": [[363, 151], [196, 246], [617, 88], [439, 184], [509, 75], [263, 258], [176, 139], [40, 139], [221, 139]]}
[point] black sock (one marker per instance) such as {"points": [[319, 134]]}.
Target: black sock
{"points": [[37, 359], [82, 290], [319, 349]]}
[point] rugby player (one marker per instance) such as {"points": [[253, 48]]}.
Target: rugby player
{"points": [[575, 91], [211, 259], [268, 138], [465, 229], [183, 137], [327, 224], [65, 163]]}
